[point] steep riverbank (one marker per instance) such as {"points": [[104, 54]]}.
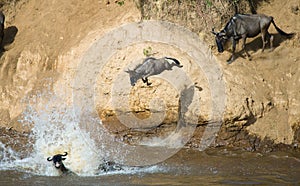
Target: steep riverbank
{"points": [[46, 41]]}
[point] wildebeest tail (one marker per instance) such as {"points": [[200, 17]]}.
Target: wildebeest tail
{"points": [[173, 59], [281, 32]]}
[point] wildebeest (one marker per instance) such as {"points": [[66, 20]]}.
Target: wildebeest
{"points": [[57, 161], [2, 19], [151, 66], [243, 26]]}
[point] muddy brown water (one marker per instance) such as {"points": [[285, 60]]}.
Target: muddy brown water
{"points": [[187, 167]]}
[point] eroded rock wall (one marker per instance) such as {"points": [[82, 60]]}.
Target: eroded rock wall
{"points": [[262, 94]]}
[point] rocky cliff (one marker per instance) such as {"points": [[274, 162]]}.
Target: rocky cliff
{"points": [[46, 42]]}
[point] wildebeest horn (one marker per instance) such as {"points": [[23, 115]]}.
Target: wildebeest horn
{"points": [[65, 154], [49, 159], [213, 31], [222, 33], [128, 70]]}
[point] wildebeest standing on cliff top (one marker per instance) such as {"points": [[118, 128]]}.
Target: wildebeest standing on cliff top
{"points": [[2, 19], [241, 26]]}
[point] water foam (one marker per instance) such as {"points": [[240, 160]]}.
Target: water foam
{"points": [[7, 155], [55, 130]]}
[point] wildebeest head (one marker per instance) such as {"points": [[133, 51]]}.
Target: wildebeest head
{"points": [[221, 38], [57, 160], [133, 76]]}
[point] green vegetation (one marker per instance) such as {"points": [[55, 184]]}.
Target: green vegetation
{"points": [[209, 3], [147, 51], [121, 3], [196, 15]]}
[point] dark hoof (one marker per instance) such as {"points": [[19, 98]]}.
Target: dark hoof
{"points": [[229, 61]]}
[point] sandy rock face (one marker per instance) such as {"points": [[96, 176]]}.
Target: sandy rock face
{"points": [[24, 80], [261, 103]]}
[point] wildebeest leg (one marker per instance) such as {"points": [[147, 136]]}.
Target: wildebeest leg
{"points": [[244, 47], [271, 42], [146, 81], [1, 37], [270, 37], [233, 51], [263, 37]]}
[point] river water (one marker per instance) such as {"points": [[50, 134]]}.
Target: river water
{"points": [[187, 167]]}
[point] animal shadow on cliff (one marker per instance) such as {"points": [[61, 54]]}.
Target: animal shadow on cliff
{"points": [[256, 44], [9, 37], [185, 100]]}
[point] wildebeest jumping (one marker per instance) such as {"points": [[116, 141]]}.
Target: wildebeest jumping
{"points": [[2, 19], [57, 161], [151, 66], [243, 26]]}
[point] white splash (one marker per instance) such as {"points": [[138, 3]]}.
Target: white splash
{"points": [[175, 139], [7, 154], [55, 131]]}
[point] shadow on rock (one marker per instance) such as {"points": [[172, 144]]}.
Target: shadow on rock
{"points": [[9, 37]]}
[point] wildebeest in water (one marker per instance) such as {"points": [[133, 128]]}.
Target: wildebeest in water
{"points": [[243, 26], [151, 66], [58, 163]]}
